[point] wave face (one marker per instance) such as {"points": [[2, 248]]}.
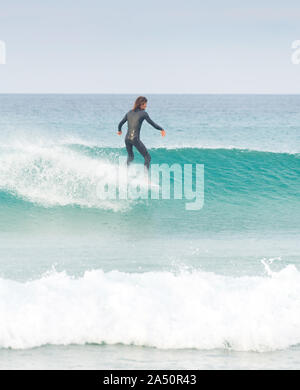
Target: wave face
{"points": [[155, 309], [239, 185], [69, 175]]}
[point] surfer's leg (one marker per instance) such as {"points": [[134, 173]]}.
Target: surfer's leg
{"points": [[129, 151], [144, 152]]}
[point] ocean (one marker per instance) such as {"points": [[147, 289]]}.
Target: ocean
{"points": [[90, 283]]}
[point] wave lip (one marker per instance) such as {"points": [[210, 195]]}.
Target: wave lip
{"points": [[156, 309]]}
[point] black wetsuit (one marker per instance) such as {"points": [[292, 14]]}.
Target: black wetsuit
{"points": [[135, 119]]}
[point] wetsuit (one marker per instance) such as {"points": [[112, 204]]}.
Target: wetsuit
{"points": [[135, 119]]}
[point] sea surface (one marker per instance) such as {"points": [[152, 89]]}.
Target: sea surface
{"points": [[93, 283]]}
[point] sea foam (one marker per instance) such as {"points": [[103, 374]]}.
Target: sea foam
{"points": [[58, 176], [156, 309]]}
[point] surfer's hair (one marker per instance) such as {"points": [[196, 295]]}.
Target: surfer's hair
{"points": [[139, 101]]}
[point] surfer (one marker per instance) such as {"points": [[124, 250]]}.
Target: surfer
{"points": [[135, 118]]}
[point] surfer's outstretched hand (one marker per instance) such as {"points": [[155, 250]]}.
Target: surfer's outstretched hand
{"points": [[163, 133], [119, 133]]}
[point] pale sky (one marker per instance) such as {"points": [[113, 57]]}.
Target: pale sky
{"points": [[155, 46]]}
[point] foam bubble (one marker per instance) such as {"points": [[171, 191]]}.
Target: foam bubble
{"points": [[157, 309], [58, 176]]}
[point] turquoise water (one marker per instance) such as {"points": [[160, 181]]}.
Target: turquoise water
{"points": [[148, 280]]}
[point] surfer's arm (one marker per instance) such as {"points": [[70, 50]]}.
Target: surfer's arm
{"points": [[149, 120], [122, 123]]}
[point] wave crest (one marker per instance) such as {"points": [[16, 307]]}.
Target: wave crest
{"points": [[157, 309]]}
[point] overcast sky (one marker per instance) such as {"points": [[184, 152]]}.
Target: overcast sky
{"points": [[155, 46]]}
